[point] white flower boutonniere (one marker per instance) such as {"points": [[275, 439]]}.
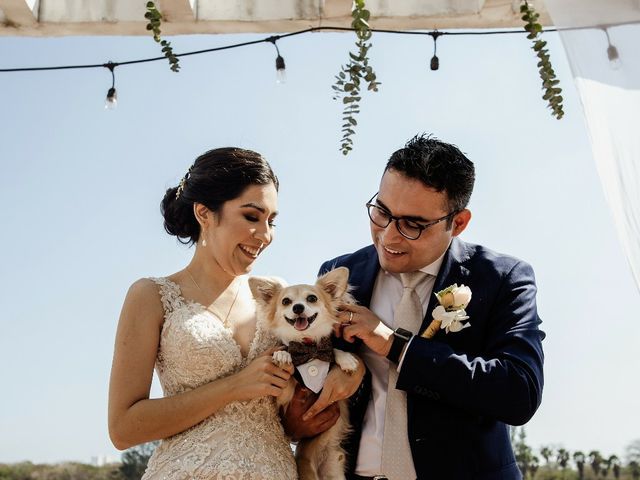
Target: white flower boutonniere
{"points": [[450, 314]]}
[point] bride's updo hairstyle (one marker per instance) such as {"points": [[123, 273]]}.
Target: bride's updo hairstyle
{"points": [[216, 177]]}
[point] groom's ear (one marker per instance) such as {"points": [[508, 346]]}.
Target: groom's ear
{"points": [[460, 222]]}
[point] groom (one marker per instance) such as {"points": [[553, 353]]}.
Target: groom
{"points": [[437, 408]]}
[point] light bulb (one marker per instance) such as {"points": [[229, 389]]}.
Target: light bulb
{"points": [[281, 72], [111, 101], [614, 57], [435, 63]]}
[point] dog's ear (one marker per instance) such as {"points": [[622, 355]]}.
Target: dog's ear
{"points": [[265, 288], [335, 282]]}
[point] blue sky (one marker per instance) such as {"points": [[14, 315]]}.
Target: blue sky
{"points": [[81, 186]]}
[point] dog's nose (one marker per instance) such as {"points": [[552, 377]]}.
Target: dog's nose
{"points": [[298, 308]]}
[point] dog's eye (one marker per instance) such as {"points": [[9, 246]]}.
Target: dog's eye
{"points": [[312, 299], [286, 301]]}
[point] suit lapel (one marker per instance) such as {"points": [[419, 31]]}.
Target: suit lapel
{"points": [[363, 277], [451, 271]]}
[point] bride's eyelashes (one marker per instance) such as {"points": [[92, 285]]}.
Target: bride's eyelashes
{"points": [[254, 219]]}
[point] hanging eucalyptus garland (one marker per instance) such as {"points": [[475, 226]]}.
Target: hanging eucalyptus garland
{"points": [[547, 74], [155, 17], [352, 74], [358, 70]]}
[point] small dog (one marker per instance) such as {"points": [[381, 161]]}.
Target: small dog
{"points": [[302, 317]]}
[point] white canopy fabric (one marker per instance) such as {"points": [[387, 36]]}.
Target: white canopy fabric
{"points": [[185, 17], [605, 62]]}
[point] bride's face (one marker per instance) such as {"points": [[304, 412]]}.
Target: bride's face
{"points": [[242, 229]]}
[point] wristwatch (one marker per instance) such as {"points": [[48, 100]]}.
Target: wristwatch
{"points": [[400, 338]]}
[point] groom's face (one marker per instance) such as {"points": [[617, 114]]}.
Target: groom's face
{"points": [[406, 197]]}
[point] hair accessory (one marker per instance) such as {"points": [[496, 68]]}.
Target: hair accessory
{"points": [[183, 182]]}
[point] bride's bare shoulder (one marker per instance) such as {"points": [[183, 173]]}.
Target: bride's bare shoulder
{"points": [[143, 297]]}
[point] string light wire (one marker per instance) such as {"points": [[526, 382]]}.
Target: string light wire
{"points": [[270, 39], [111, 100]]}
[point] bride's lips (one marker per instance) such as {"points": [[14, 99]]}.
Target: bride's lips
{"points": [[251, 252]]}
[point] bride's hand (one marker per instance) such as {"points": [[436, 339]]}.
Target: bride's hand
{"points": [[261, 377]]}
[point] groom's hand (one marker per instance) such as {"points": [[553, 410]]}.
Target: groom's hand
{"points": [[357, 321], [295, 427]]}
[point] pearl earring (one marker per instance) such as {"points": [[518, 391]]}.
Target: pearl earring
{"points": [[204, 242]]}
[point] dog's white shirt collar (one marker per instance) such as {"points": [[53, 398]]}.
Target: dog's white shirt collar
{"points": [[313, 374]]}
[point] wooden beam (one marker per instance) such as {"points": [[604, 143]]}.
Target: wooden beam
{"points": [[17, 13], [175, 11], [181, 20], [336, 8]]}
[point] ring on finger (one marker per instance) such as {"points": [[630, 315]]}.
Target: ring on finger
{"points": [[350, 318]]}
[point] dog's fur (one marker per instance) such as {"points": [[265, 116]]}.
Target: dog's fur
{"points": [[320, 457]]}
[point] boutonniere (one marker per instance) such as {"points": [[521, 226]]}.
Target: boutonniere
{"points": [[450, 314]]}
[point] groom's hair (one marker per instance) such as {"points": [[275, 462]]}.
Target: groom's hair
{"points": [[437, 165]]}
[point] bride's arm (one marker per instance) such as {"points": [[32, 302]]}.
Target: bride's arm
{"points": [[133, 417]]}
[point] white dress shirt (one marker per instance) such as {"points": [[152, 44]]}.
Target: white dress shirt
{"points": [[386, 295]]}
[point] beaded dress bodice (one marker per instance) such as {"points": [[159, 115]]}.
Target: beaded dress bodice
{"points": [[241, 441]]}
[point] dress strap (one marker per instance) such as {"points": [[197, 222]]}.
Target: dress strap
{"points": [[170, 294]]}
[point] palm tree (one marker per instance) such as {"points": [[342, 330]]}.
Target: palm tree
{"points": [[595, 460], [632, 451], [614, 461], [606, 466], [546, 453], [579, 459], [534, 465], [522, 452], [563, 459], [632, 455]]}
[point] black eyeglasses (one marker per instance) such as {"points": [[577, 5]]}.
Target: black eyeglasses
{"points": [[407, 227]]}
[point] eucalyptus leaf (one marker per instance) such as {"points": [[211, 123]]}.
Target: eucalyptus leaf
{"points": [[154, 16], [547, 74], [353, 73]]}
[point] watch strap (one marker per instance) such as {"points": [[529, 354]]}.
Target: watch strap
{"points": [[400, 338]]}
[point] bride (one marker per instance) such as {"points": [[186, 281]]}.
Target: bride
{"points": [[218, 418]]}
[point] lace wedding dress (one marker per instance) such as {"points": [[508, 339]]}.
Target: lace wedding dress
{"points": [[243, 440]]}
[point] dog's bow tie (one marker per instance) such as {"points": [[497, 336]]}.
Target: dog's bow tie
{"points": [[302, 352]]}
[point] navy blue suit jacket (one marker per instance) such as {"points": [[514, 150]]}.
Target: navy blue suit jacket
{"points": [[464, 388]]}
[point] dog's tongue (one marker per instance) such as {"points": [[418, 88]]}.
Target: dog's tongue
{"points": [[301, 323]]}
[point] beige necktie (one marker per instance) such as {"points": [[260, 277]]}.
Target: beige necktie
{"points": [[397, 463]]}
